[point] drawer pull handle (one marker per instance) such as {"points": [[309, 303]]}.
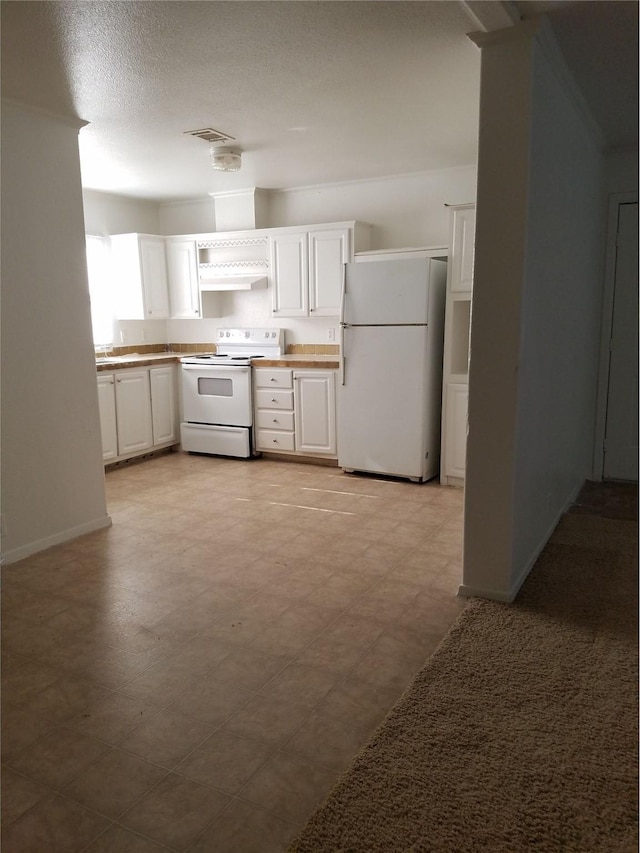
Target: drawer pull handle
{"points": [[273, 400], [273, 379], [275, 440], [275, 420]]}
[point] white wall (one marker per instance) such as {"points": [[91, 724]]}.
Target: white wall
{"points": [[193, 216], [495, 321], [105, 213], [408, 210], [52, 470], [535, 324]]}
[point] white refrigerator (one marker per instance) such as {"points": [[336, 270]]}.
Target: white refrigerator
{"points": [[389, 392]]}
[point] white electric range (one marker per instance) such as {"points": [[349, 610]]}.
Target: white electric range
{"points": [[217, 399]]}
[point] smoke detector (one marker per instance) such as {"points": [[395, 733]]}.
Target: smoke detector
{"points": [[225, 159]]}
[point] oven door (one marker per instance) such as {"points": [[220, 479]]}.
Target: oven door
{"points": [[217, 395]]}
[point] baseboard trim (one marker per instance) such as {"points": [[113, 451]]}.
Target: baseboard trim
{"points": [[509, 595], [466, 591], [56, 539], [296, 457]]}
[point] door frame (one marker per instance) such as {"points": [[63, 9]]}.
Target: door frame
{"points": [[608, 290]]}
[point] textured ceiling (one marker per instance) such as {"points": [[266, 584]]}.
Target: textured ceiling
{"points": [[313, 92]]}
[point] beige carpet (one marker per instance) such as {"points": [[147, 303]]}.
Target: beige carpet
{"points": [[520, 734]]}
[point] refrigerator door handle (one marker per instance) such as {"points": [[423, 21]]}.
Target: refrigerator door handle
{"points": [[343, 291]]}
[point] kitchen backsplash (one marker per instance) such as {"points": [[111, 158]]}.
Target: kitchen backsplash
{"points": [[313, 349], [141, 349]]}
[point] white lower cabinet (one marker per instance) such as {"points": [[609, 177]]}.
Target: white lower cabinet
{"points": [[274, 409], [315, 412], [133, 411], [107, 406], [137, 411], [164, 415], [295, 411], [454, 442]]}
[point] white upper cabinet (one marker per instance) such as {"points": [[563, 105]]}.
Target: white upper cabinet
{"points": [[307, 266], [328, 253], [289, 259], [140, 277], [462, 248], [184, 285]]}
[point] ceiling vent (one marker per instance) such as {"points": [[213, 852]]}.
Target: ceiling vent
{"points": [[208, 134]]}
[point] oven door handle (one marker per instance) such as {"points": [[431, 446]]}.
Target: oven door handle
{"points": [[210, 370]]}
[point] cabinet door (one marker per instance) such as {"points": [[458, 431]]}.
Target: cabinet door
{"points": [[290, 274], [462, 249], [184, 285], [315, 416], [154, 277], [133, 403], [455, 430], [127, 277], [107, 407], [329, 251], [163, 404]]}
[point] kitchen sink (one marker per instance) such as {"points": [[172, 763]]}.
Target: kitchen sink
{"points": [[107, 358]]}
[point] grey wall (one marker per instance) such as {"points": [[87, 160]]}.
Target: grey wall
{"points": [[535, 323], [560, 327]]}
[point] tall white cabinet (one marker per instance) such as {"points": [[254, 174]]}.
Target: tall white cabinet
{"points": [[455, 380]]}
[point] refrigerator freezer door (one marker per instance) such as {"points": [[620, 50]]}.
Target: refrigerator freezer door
{"points": [[387, 292], [382, 417]]}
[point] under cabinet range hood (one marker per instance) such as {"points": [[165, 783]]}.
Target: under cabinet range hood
{"points": [[232, 282]]}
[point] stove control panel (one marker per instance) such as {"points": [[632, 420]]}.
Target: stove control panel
{"points": [[273, 337]]}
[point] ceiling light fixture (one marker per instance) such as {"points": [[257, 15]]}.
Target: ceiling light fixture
{"points": [[225, 159]]}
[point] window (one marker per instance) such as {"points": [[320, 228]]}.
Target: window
{"points": [[100, 293]]}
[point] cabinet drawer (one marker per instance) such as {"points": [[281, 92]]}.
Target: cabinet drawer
{"points": [[274, 420], [268, 399], [275, 378], [272, 440]]}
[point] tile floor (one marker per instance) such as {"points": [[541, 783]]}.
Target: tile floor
{"points": [[196, 677]]}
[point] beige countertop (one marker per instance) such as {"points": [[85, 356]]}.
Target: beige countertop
{"points": [[318, 362], [144, 360], [321, 362]]}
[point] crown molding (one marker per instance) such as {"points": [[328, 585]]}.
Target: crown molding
{"points": [[491, 14], [69, 121], [539, 29]]}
